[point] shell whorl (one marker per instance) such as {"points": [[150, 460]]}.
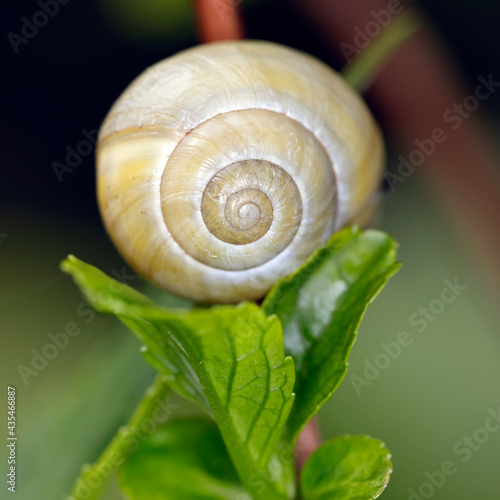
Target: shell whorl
{"points": [[222, 169]]}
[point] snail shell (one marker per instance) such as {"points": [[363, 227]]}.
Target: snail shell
{"points": [[222, 169]]}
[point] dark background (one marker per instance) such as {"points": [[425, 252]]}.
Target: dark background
{"points": [[65, 79], [63, 82]]}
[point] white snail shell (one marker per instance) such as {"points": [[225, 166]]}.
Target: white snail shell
{"points": [[222, 169]]}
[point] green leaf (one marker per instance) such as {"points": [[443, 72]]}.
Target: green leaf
{"points": [[320, 307], [347, 468], [109, 296], [186, 459], [235, 354], [106, 294], [238, 355]]}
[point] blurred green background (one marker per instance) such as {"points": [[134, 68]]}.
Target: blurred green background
{"points": [[438, 390]]}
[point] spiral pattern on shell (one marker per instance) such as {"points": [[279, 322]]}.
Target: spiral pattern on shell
{"points": [[222, 169]]}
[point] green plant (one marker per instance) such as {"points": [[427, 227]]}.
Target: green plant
{"points": [[259, 373]]}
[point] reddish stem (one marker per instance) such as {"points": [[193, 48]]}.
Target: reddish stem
{"points": [[308, 441], [219, 20]]}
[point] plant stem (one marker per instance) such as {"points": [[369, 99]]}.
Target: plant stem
{"points": [[308, 442], [219, 20], [94, 478], [362, 70]]}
